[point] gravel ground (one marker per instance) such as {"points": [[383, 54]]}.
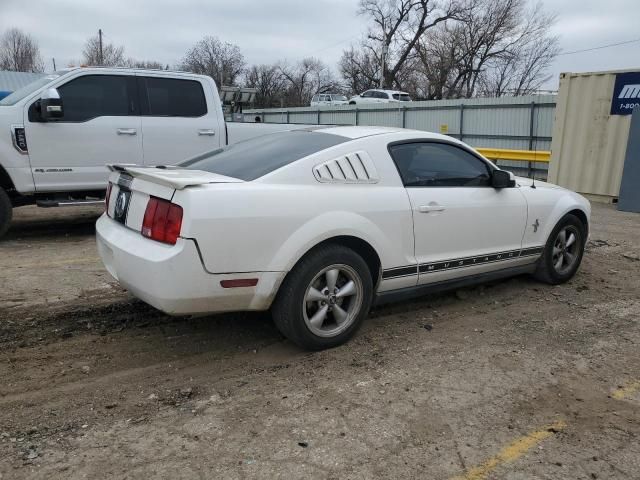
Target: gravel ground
{"points": [[512, 380]]}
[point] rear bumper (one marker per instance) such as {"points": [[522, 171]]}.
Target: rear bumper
{"points": [[172, 277]]}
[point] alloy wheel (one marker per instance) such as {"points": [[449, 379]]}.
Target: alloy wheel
{"points": [[332, 300], [565, 249]]}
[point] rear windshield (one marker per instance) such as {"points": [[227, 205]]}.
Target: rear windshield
{"points": [[403, 97], [258, 156]]}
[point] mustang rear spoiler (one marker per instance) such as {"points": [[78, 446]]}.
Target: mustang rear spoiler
{"points": [[171, 176]]}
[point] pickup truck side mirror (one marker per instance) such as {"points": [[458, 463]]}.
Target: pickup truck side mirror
{"points": [[502, 179], [51, 105]]}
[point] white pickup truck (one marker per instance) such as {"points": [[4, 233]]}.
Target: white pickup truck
{"points": [[59, 133]]}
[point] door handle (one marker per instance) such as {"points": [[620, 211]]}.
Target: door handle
{"points": [[126, 131], [432, 207], [207, 132]]}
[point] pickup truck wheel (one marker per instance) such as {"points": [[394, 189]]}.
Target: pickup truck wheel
{"points": [[563, 252], [6, 212], [324, 299]]}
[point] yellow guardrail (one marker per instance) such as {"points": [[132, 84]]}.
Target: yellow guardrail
{"points": [[516, 155]]}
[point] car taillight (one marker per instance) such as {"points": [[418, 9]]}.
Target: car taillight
{"points": [[162, 221], [107, 197]]}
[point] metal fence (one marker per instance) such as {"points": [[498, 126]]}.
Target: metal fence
{"points": [[519, 123]]}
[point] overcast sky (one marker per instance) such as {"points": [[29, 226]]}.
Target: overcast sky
{"points": [[272, 30]]}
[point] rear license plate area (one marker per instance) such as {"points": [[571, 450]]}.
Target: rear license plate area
{"points": [[121, 206]]}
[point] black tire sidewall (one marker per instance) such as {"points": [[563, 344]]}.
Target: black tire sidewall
{"points": [[546, 262], [288, 307], [6, 212]]}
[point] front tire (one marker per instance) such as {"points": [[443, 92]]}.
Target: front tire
{"points": [[6, 212], [563, 252], [324, 299]]}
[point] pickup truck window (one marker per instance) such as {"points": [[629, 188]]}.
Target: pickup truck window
{"points": [[169, 97], [258, 156], [92, 96]]}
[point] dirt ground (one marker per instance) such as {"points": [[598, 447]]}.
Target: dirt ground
{"points": [[514, 380]]}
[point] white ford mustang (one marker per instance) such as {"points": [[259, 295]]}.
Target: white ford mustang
{"points": [[319, 224]]}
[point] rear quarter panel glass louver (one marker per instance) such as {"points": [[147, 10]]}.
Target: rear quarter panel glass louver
{"points": [[356, 167]]}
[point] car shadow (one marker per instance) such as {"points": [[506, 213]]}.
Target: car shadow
{"points": [[35, 222]]}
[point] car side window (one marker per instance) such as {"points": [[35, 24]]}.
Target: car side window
{"points": [[368, 94], [170, 97], [382, 95], [433, 164], [315, 98], [92, 96]]}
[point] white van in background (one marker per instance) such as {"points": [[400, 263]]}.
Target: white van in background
{"points": [[326, 99], [380, 96]]}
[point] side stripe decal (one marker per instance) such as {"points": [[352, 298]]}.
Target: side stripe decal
{"points": [[456, 263]]}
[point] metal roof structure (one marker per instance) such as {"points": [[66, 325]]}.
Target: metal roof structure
{"points": [[12, 81]]}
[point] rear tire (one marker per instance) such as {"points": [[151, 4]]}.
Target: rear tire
{"points": [[6, 212], [324, 298], [563, 252]]}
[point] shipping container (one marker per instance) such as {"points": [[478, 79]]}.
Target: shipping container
{"points": [[590, 132]]}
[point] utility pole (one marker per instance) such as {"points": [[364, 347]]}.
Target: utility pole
{"points": [[383, 61], [100, 58], [54, 64]]}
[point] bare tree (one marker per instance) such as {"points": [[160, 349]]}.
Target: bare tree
{"points": [[523, 67], [110, 56], [483, 51], [222, 61], [19, 52], [306, 78], [146, 64], [358, 68], [270, 84], [397, 27]]}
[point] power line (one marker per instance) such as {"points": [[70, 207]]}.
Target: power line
{"points": [[600, 47]]}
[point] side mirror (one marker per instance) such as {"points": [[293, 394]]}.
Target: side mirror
{"points": [[51, 105], [502, 179]]}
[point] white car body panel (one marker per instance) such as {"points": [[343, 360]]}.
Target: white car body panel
{"points": [[262, 228]]}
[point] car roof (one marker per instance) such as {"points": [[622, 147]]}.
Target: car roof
{"points": [[354, 132], [387, 91]]}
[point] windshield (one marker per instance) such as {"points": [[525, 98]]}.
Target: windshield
{"points": [[403, 97], [28, 89], [258, 156]]}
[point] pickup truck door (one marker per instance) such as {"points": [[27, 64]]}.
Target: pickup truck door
{"points": [[101, 125], [180, 119], [462, 225]]}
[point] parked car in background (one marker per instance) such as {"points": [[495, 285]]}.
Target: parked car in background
{"points": [[58, 133], [325, 99], [318, 224], [380, 96]]}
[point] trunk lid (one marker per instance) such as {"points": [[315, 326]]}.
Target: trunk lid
{"points": [[132, 186]]}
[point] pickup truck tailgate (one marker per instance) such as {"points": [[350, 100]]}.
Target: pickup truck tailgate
{"points": [[130, 188]]}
